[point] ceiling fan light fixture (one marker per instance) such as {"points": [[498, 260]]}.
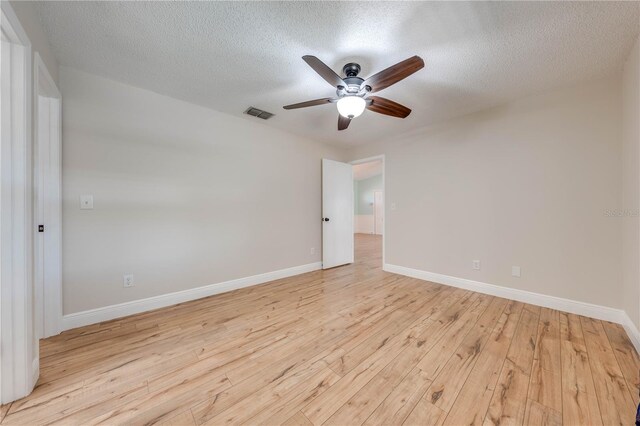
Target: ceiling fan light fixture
{"points": [[352, 90], [351, 106]]}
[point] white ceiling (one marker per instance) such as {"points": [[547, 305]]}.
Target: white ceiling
{"points": [[367, 170], [230, 55]]}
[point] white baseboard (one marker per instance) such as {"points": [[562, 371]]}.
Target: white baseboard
{"points": [[632, 331], [106, 313], [566, 305]]}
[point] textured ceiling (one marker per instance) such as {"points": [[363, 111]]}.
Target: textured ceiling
{"points": [[367, 170], [230, 55]]}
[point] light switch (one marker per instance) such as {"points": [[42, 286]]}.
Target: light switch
{"points": [[86, 202], [393, 206]]}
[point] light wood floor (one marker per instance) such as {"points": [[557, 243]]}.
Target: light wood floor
{"points": [[352, 345]]}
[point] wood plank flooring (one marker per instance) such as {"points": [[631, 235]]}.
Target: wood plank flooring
{"points": [[348, 346]]}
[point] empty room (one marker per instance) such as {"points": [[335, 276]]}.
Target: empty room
{"points": [[320, 213]]}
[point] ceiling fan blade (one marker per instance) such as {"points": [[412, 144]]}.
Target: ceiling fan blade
{"points": [[343, 122], [393, 74], [387, 107], [325, 72], [314, 102]]}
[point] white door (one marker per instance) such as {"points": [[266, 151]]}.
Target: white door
{"points": [[378, 212], [47, 212], [337, 213]]}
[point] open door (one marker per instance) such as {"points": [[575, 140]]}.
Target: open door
{"points": [[337, 213]]}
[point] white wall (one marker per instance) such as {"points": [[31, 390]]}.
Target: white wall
{"points": [[364, 224], [631, 185], [184, 196], [528, 184], [30, 21]]}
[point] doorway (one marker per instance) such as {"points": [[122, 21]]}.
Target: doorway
{"points": [[369, 209], [19, 366]]}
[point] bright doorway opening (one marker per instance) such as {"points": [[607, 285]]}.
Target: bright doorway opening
{"points": [[369, 210]]}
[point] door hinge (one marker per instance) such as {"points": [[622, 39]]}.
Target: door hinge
{"points": [[40, 228]]}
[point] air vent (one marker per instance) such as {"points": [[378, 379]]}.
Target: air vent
{"points": [[258, 113]]}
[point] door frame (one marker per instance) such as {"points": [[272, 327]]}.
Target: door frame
{"points": [[47, 211], [19, 369], [384, 194]]}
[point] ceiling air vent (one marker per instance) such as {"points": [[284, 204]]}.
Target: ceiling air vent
{"points": [[258, 113]]}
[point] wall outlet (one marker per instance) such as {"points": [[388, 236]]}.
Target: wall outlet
{"points": [[476, 265], [313, 250], [394, 206], [127, 280], [515, 271]]}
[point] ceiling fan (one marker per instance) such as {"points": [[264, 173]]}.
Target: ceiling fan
{"points": [[353, 92]]}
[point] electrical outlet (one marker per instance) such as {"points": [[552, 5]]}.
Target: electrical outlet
{"points": [[313, 250], [127, 280], [515, 271], [476, 265]]}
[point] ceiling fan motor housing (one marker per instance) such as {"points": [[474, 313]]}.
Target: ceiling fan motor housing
{"points": [[351, 71]]}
